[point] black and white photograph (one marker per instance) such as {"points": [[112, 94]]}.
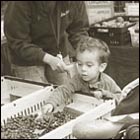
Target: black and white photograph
{"points": [[69, 69]]}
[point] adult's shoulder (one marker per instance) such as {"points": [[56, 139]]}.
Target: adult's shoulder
{"points": [[19, 5], [76, 3]]}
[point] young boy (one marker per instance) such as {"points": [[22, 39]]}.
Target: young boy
{"points": [[92, 58]]}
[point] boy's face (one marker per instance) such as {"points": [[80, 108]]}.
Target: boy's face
{"points": [[88, 65]]}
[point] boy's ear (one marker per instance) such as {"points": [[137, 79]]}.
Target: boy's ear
{"points": [[102, 67]]}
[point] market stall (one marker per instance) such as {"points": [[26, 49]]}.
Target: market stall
{"points": [[22, 100]]}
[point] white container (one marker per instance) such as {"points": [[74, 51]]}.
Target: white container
{"points": [[32, 104], [99, 10], [134, 37], [132, 9], [13, 88]]}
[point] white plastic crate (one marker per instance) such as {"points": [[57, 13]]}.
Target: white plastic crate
{"points": [[132, 9], [65, 131], [99, 10], [32, 103], [26, 105], [134, 36], [13, 88]]}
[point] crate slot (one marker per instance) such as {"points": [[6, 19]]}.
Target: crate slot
{"points": [[38, 106], [32, 109], [18, 114], [15, 115], [4, 122], [22, 113], [41, 104], [25, 112], [28, 111], [44, 102], [35, 107]]}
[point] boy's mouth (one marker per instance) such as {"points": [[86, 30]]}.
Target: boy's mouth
{"points": [[84, 75]]}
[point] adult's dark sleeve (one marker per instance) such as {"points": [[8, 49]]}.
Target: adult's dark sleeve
{"points": [[128, 105], [17, 30]]}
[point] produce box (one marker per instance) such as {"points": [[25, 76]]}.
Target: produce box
{"points": [[13, 88], [31, 104], [99, 10], [134, 33], [114, 31], [132, 8]]}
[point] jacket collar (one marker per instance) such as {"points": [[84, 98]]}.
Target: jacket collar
{"points": [[46, 6], [49, 6], [98, 84]]}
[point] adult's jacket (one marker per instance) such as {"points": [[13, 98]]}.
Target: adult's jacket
{"points": [[35, 27], [128, 105]]}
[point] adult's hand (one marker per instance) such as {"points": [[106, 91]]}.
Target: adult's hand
{"points": [[54, 62]]}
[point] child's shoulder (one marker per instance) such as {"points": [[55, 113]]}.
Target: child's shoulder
{"points": [[107, 78]]}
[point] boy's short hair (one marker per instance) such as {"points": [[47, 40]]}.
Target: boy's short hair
{"points": [[90, 44]]}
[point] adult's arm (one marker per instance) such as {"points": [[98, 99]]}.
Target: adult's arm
{"points": [[17, 30]]}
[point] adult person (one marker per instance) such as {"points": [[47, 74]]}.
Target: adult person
{"points": [[42, 34]]}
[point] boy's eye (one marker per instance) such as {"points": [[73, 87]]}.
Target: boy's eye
{"points": [[89, 65], [79, 64]]}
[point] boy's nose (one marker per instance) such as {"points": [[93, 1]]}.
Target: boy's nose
{"points": [[83, 68]]}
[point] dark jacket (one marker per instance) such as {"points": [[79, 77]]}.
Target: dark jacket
{"points": [[35, 27], [128, 105]]}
